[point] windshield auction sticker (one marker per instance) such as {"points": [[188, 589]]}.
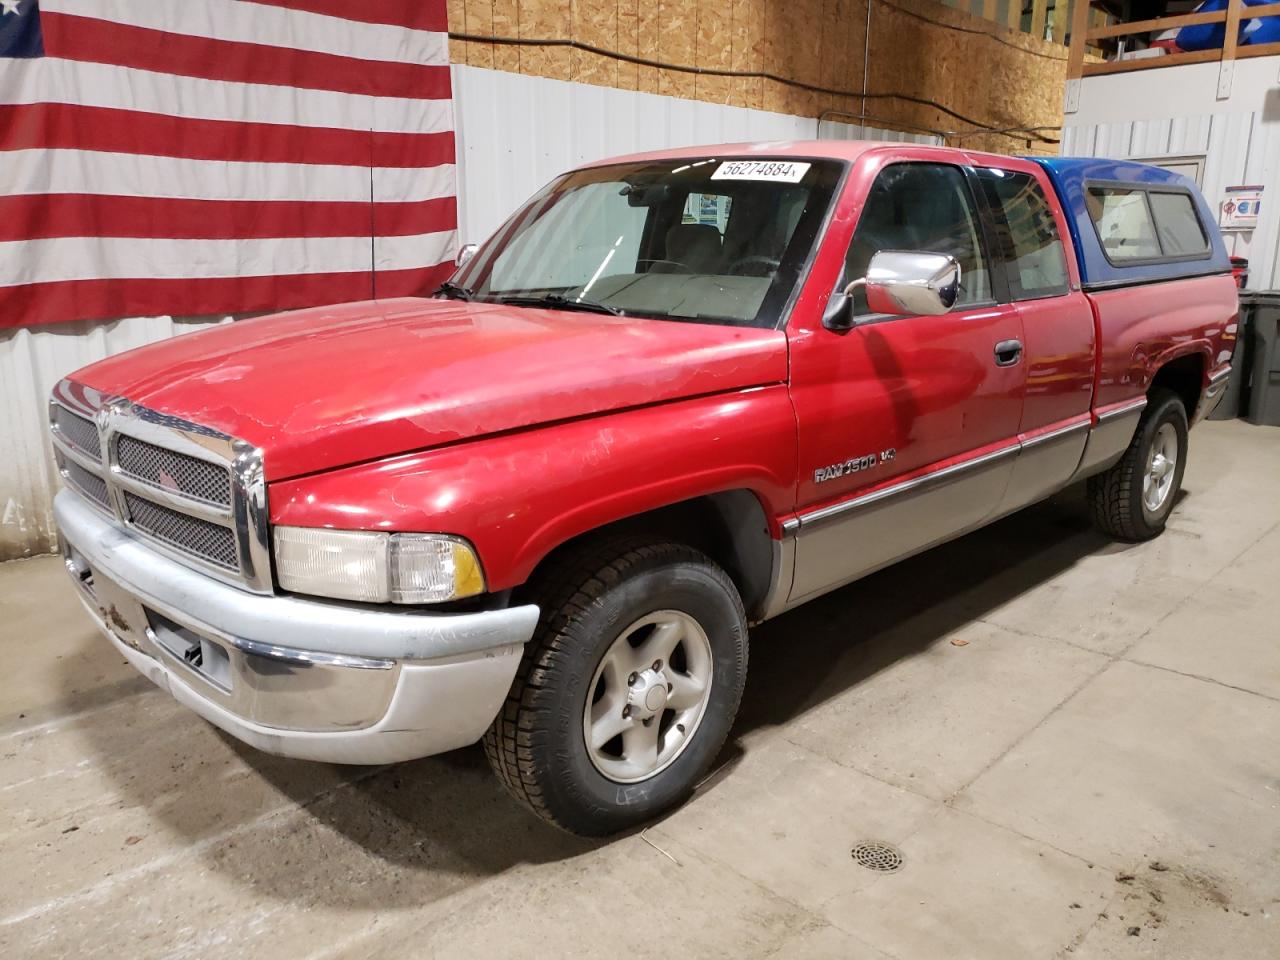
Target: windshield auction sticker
{"points": [[776, 171]]}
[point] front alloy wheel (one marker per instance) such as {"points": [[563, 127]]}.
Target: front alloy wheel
{"points": [[648, 696], [627, 690]]}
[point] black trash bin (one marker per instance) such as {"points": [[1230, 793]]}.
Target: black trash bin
{"points": [[1264, 382]]}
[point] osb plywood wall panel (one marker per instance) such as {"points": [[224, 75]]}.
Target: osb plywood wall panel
{"points": [[1014, 80], [1017, 82]]}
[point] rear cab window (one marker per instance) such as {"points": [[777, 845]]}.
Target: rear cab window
{"points": [[711, 209], [1138, 223]]}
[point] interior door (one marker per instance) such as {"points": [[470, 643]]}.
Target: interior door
{"points": [[907, 424]]}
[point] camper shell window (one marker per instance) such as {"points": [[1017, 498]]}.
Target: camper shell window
{"points": [[1141, 224]]}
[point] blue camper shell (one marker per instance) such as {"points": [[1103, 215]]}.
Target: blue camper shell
{"points": [[1073, 176]]}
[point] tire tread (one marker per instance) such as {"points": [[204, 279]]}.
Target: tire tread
{"points": [[1111, 493], [565, 591]]}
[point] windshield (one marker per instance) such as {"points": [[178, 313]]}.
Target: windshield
{"points": [[714, 240]]}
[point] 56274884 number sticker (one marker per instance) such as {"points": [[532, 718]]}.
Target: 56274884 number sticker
{"points": [[775, 171]]}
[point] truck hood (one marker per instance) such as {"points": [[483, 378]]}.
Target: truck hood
{"points": [[331, 386]]}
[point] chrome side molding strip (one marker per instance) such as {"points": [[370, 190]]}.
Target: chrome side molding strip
{"points": [[1133, 406], [1057, 434], [1217, 378], [792, 525], [906, 486]]}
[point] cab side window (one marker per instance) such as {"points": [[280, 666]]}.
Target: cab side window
{"points": [[1037, 261], [924, 208]]}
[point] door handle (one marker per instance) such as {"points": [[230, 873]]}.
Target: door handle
{"points": [[1008, 352]]}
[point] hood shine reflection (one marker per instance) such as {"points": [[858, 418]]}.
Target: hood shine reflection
{"points": [[330, 386]]}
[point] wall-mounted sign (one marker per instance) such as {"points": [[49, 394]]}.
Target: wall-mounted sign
{"points": [[1239, 210]]}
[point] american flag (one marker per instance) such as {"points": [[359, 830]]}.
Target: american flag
{"points": [[192, 157]]}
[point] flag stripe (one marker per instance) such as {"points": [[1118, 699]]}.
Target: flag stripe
{"points": [[72, 127], [126, 258], [414, 282], [53, 80], [35, 217], [98, 299], [416, 14], [264, 24], [173, 157], [38, 171], [392, 253], [101, 41]]}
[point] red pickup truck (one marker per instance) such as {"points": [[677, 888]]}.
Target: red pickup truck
{"points": [[674, 395]]}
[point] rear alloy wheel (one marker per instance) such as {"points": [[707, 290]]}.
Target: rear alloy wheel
{"points": [[1132, 500], [1162, 463], [627, 690]]}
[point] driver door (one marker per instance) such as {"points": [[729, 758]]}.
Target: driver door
{"points": [[907, 424]]}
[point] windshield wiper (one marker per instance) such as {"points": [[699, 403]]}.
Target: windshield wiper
{"points": [[558, 301], [455, 291]]}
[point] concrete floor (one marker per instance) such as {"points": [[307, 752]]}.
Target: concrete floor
{"points": [[1074, 743]]}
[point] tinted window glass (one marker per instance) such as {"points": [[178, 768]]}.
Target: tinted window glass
{"points": [[1180, 231], [1039, 264], [1124, 223], [584, 227], [707, 240], [921, 207]]}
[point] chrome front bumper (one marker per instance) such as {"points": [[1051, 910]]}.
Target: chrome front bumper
{"points": [[300, 678]]}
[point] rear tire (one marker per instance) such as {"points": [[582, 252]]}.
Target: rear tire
{"points": [[645, 639], [1132, 499]]}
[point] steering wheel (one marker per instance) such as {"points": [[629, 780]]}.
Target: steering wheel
{"points": [[684, 267], [743, 267]]}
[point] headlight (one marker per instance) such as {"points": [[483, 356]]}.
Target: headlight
{"points": [[376, 567]]}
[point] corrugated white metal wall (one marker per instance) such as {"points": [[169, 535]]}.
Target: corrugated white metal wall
{"points": [[514, 134], [1173, 112], [1239, 148]]}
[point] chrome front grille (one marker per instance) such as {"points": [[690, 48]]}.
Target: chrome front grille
{"points": [[176, 472], [80, 432], [193, 492], [210, 541], [91, 485]]}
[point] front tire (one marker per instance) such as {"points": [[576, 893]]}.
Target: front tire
{"points": [[1132, 499], [627, 690]]}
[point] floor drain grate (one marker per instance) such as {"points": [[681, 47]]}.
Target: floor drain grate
{"points": [[878, 856]]}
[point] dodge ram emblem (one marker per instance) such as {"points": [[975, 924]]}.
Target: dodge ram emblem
{"points": [[853, 465]]}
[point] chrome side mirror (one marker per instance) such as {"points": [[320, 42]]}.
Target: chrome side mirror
{"points": [[901, 282], [465, 253], [912, 283]]}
